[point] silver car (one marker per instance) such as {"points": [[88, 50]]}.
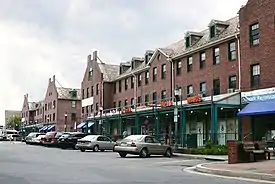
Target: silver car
{"points": [[142, 145], [95, 143]]}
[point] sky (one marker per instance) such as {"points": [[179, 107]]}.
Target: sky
{"points": [[39, 39]]}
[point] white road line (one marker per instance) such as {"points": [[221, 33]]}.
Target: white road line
{"points": [[191, 170]]}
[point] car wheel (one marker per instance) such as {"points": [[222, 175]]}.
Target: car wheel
{"points": [[143, 153], [122, 154], [96, 148], [82, 150], [168, 152]]}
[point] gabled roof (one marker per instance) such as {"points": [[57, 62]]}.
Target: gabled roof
{"points": [[64, 93], [110, 72], [32, 106], [178, 49]]}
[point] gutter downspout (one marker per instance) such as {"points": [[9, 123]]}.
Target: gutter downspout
{"points": [[239, 60], [135, 101]]}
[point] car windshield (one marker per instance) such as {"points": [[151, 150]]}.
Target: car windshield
{"points": [[89, 137], [133, 138], [31, 134], [40, 136], [50, 134]]}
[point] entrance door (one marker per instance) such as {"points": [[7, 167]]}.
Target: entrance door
{"points": [[222, 132], [200, 134]]}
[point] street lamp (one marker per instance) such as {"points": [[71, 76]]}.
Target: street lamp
{"points": [[177, 94], [65, 125]]}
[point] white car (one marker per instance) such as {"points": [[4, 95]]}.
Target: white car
{"points": [[95, 143]]}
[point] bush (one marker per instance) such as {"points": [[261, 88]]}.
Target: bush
{"points": [[210, 149]]}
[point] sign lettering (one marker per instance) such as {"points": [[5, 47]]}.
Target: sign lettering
{"points": [[194, 99]]}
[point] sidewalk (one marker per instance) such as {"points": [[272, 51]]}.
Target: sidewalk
{"points": [[262, 170], [203, 157]]}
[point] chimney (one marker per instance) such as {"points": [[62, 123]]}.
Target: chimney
{"points": [[26, 96], [50, 80], [89, 58], [53, 78], [95, 56]]}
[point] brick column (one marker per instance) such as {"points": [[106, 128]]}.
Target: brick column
{"points": [[232, 151]]}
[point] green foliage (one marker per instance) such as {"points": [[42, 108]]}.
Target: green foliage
{"points": [[14, 122], [211, 149]]}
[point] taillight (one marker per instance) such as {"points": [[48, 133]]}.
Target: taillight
{"points": [[133, 144], [52, 140]]}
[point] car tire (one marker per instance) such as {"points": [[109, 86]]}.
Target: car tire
{"points": [[143, 153], [168, 152], [96, 148], [82, 150], [122, 154]]}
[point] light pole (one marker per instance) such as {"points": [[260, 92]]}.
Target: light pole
{"points": [[177, 94], [65, 125]]}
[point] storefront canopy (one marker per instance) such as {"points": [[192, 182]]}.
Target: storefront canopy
{"points": [[81, 125], [44, 128], [258, 108], [89, 124], [51, 128]]}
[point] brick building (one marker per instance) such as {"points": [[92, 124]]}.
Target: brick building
{"points": [[257, 22], [28, 111], [62, 107]]}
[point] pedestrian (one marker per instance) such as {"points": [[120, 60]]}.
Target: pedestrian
{"points": [[125, 133]]}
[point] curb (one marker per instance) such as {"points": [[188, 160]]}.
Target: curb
{"points": [[198, 157], [249, 175]]}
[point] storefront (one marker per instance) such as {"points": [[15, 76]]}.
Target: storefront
{"points": [[260, 108]]}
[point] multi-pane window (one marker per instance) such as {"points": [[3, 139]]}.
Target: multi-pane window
{"points": [[83, 93], [155, 74], [147, 77], [92, 108], [139, 79], [125, 103], [96, 107], [255, 75], [216, 87], [254, 34], [155, 97], [53, 116], [187, 42], [92, 91], [132, 82], [90, 75], [178, 63], [202, 60], [203, 87], [232, 51], [189, 64], [232, 82], [132, 103], [139, 100], [119, 86], [163, 94], [87, 110], [216, 55], [87, 93], [146, 99], [73, 116], [83, 110], [212, 31], [119, 104], [126, 83], [114, 104], [114, 87], [73, 104], [163, 71], [190, 90], [97, 89]]}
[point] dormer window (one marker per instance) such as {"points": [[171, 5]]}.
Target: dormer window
{"points": [[212, 31], [90, 77], [187, 42], [73, 93]]}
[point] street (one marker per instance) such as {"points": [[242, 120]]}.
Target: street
{"points": [[24, 164]]}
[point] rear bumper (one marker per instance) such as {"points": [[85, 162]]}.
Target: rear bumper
{"points": [[132, 150], [83, 146]]}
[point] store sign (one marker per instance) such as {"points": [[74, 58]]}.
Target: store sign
{"points": [[257, 98], [194, 99], [166, 103], [127, 110]]}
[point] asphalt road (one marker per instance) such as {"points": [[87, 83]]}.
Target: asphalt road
{"points": [[24, 164]]}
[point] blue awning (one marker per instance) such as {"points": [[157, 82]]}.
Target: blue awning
{"points": [[258, 108], [51, 128], [81, 125], [44, 128], [89, 124]]}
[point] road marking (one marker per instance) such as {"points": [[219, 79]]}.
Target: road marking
{"points": [[191, 171]]}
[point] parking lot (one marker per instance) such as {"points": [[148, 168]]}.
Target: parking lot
{"points": [[27, 164]]}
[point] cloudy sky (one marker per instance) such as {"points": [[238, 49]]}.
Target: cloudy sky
{"points": [[39, 38]]}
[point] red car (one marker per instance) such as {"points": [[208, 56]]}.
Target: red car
{"points": [[51, 138]]}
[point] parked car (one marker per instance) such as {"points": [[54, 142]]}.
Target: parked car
{"points": [[142, 145], [38, 140], [95, 143], [69, 140], [51, 138], [31, 136]]}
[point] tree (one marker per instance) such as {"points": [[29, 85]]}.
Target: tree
{"points": [[14, 122]]}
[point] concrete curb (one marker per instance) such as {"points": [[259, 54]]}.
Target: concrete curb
{"points": [[249, 175], [199, 157]]}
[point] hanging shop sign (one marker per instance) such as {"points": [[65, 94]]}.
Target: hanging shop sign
{"points": [[127, 110], [166, 103], [194, 99]]}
